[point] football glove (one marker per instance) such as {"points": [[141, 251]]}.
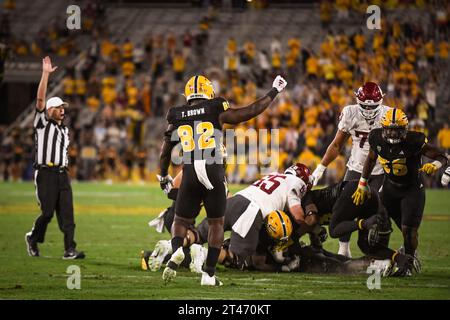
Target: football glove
{"points": [[323, 234], [404, 265], [318, 173], [445, 177], [279, 83], [377, 236], [431, 168], [362, 192], [166, 183]]}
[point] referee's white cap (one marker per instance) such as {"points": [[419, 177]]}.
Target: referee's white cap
{"points": [[55, 102]]}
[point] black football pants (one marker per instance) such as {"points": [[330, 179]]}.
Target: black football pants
{"points": [[54, 193]]}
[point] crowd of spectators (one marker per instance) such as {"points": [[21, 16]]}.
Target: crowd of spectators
{"points": [[123, 86]]}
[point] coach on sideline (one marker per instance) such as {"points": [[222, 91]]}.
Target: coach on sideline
{"points": [[52, 182]]}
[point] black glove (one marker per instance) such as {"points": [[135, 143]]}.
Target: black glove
{"points": [[165, 183], [378, 234], [323, 234], [404, 265]]}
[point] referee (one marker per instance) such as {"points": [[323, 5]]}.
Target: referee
{"points": [[53, 189]]}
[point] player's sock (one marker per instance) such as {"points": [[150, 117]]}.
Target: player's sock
{"points": [[344, 249], [187, 257], [177, 242], [211, 260]]}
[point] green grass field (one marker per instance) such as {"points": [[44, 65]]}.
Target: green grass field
{"points": [[112, 229]]}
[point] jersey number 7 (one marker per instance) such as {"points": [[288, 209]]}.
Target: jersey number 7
{"points": [[363, 136]]}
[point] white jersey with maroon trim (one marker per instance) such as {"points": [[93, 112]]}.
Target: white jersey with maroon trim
{"points": [[352, 122], [275, 191]]}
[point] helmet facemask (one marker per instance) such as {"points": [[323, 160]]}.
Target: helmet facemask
{"points": [[394, 134], [369, 111]]}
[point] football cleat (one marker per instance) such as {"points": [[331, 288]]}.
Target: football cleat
{"points": [[32, 247], [73, 254], [198, 257], [169, 273], [145, 255], [156, 259], [210, 281], [417, 264], [384, 267]]}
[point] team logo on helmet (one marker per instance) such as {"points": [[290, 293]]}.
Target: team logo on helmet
{"points": [[198, 87]]}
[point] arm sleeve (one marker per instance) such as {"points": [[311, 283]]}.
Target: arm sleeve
{"points": [[222, 105]]}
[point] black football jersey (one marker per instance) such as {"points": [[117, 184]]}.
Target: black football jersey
{"points": [[401, 162], [198, 129], [324, 199]]}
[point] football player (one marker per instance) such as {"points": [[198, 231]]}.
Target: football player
{"points": [[356, 121], [247, 209], [198, 126], [333, 206], [400, 151]]}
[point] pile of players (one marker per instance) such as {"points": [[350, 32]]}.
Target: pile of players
{"points": [[268, 218]]}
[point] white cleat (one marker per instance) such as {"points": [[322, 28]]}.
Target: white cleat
{"points": [[210, 281], [198, 257], [384, 267], [162, 249], [177, 258]]}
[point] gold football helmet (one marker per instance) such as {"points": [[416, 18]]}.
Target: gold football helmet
{"points": [[198, 87], [394, 126], [279, 225]]}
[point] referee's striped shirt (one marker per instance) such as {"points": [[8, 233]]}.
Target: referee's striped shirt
{"points": [[51, 140]]}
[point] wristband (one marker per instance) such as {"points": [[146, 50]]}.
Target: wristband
{"points": [[272, 93], [363, 182], [437, 163]]}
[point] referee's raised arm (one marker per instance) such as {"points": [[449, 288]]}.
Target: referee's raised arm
{"points": [[47, 68]]}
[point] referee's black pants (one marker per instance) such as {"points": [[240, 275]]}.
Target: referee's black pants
{"points": [[54, 193]]}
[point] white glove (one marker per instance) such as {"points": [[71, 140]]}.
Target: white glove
{"points": [[166, 183], [318, 173], [279, 83], [445, 177], [158, 223]]}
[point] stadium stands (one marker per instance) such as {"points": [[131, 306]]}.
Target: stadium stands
{"points": [[134, 60]]}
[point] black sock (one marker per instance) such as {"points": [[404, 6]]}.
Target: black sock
{"points": [[211, 260], [176, 243], [187, 257]]}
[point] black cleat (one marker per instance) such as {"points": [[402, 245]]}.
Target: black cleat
{"points": [[32, 247], [73, 254]]}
